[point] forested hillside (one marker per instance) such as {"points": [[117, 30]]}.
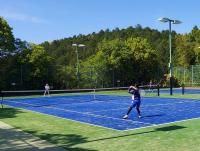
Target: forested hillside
{"points": [[110, 58]]}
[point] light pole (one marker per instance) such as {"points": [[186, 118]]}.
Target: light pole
{"points": [[171, 21], [77, 62]]}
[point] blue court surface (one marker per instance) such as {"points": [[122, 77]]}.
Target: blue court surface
{"points": [[107, 111]]}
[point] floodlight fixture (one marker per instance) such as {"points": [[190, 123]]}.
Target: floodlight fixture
{"points": [[164, 20]]}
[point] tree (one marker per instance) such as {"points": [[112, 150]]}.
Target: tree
{"points": [[143, 60], [39, 64], [184, 55], [127, 62], [6, 38], [195, 34]]}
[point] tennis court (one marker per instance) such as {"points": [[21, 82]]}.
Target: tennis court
{"points": [[107, 110]]}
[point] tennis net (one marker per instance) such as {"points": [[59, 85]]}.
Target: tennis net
{"points": [[150, 90], [36, 98]]}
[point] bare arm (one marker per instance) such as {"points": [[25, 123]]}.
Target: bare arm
{"points": [[133, 87]]}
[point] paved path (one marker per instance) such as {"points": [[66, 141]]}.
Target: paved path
{"points": [[12, 139]]}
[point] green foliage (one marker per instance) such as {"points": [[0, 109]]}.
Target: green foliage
{"points": [[117, 57], [132, 60], [144, 60], [187, 54], [195, 34], [39, 60], [6, 37], [184, 51], [65, 77]]}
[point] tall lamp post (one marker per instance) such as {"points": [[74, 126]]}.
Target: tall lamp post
{"points": [[171, 21], [77, 61]]}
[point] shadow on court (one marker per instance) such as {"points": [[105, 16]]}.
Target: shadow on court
{"points": [[66, 141], [155, 115], [7, 112], [13, 143], [14, 140], [164, 129]]}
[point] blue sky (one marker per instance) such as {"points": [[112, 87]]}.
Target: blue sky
{"points": [[46, 20]]}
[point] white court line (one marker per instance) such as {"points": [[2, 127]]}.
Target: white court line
{"points": [[172, 103], [162, 124], [132, 122], [100, 116], [68, 119], [87, 113], [155, 125], [166, 104], [109, 110]]}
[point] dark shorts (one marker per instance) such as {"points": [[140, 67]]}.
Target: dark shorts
{"points": [[136, 103]]}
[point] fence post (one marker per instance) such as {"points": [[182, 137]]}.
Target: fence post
{"points": [[158, 90], [192, 75], [1, 93], [184, 75], [183, 89]]}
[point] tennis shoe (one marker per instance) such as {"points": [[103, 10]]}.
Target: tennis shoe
{"points": [[125, 117]]}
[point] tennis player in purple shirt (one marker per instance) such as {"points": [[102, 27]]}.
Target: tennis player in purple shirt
{"points": [[136, 101]]}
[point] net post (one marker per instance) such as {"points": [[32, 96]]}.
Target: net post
{"points": [[94, 91], [183, 89], [1, 99], [158, 89]]}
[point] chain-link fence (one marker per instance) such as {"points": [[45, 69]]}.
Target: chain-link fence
{"points": [[189, 76]]}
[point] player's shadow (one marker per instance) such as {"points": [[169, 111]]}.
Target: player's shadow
{"points": [[164, 129], [154, 115], [170, 128]]}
